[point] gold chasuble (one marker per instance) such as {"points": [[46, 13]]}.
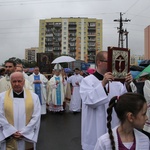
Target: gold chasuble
{"points": [[11, 144]]}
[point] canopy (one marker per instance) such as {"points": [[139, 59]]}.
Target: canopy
{"points": [[136, 68], [134, 73], [146, 71], [145, 63]]}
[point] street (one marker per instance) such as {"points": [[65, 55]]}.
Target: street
{"points": [[60, 131]]}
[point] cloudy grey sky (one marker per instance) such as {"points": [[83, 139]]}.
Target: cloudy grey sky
{"points": [[19, 21]]}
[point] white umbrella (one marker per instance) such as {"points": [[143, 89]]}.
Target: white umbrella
{"points": [[63, 59]]}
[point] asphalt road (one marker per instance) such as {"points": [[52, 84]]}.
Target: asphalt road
{"points": [[60, 131]]}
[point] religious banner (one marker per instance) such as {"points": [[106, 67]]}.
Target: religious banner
{"points": [[44, 62], [118, 62]]}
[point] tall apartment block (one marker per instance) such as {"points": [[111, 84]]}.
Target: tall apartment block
{"points": [[80, 38], [147, 42], [30, 54]]}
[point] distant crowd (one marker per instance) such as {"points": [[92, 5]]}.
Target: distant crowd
{"points": [[114, 116]]}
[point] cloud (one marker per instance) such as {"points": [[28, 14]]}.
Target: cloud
{"points": [[19, 21]]}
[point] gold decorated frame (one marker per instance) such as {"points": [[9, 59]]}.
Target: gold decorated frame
{"points": [[118, 62]]}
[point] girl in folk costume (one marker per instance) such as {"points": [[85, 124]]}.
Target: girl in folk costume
{"points": [[56, 90], [131, 110]]}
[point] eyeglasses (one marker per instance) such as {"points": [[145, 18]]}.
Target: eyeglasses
{"points": [[104, 60]]}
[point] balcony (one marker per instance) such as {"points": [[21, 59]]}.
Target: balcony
{"points": [[92, 24], [49, 25], [57, 34], [91, 39], [49, 35], [70, 29], [72, 24], [72, 34], [57, 49], [72, 49], [48, 49], [48, 44], [57, 54], [72, 39], [91, 50], [91, 45], [48, 39], [57, 44], [92, 29], [57, 25]]}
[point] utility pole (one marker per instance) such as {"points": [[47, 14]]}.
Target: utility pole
{"points": [[121, 31]]}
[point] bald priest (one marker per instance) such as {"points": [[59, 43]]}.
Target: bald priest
{"points": [[20, 112]]}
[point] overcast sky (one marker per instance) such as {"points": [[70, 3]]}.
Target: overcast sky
{"points": [[19, 21]]}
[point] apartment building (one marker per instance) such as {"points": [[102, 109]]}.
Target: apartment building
{"points": [[147, 42], [80, 38], [30, 54]]}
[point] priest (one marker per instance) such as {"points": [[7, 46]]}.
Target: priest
{"points": [[75, 80], [96, 90], [20, 113], [39, 84], [10, 67]]}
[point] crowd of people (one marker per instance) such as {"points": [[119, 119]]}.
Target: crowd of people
{"points": [[113, 115]]}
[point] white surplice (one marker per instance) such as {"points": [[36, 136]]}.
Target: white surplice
{"points": [[94, 105], [75, 103], [44, 81], [146, 91], [141, 141], [25, 75], [29, 131], [6, 85]]}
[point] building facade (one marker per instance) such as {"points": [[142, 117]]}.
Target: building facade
{"points": [[147, 42], [80, 38], [136, 59], [30, 54]]}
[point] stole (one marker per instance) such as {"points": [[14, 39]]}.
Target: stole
{"points": [[58, 91], [37, 87], [11, 144]]}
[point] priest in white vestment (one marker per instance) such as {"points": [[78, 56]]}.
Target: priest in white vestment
{"points": [[20, 112], [96, 90], [10, 67], [24, 74], [39, 85], [56, 90], [75, 80]]}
